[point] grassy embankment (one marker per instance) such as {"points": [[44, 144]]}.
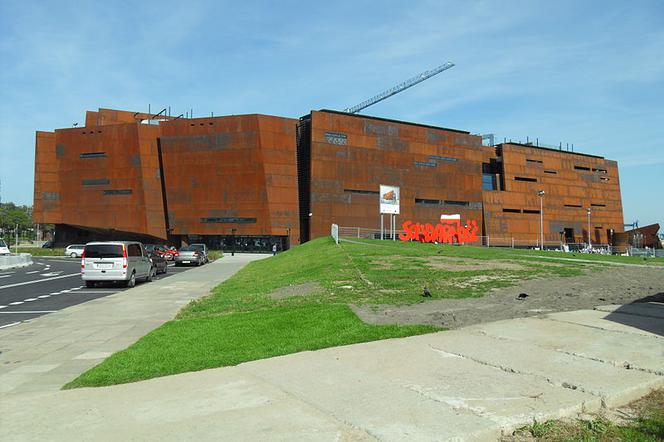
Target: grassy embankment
{"points": [[38, 251], [243, 320]]}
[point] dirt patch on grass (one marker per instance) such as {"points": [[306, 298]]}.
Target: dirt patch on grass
{"points": [[465, 264], [618, 285], [307, 288]]}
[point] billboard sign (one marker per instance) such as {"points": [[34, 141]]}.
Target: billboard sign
{"points": [[389, 200]]}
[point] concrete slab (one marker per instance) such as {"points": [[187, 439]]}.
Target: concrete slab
{"points": [[222, 405], [615, 322], [618, 349], [400, 388], [651, 309], [613, 385]]}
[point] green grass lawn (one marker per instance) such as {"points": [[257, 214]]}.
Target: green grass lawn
{"points": [[241, 320], [38, 251], [197, 344]]}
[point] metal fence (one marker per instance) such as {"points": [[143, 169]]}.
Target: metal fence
{"points": [[487, 241]]}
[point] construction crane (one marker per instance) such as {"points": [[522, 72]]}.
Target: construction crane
{"points": [[399, 88]]}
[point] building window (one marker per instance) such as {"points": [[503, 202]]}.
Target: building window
{"points": [[436, 157], [576, 206], [426, 163], [117, 192], [530, 211], [598, 205], [600, 170], [512, 210], [228, 220], [96, 182], [523, 178], [585, 169], [362, 192], [489, 181], [528, 160], [93, 155], [337, 138], [553, 172], [426, 202], [456, 203]]}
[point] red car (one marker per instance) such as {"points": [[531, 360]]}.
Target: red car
{"points": [[170, 253]]}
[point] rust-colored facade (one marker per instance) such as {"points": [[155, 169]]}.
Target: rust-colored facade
{"points": [[257, 180]]}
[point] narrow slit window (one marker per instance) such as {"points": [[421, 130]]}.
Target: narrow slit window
{"points": [[530, 211], [553, 172], [93, 155], [583, 168], [362, 192], [512, 210], [426, 202], [523, 178], [576, 206]]}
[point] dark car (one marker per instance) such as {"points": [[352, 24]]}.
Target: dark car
{"points": [[48, 245], [158, 262]]}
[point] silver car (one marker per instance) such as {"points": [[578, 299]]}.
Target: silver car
{"points": [[189, 255], [122, 261], [74, 250]]}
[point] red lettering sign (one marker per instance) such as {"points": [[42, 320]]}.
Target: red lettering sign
{"points": [[449, 230]]}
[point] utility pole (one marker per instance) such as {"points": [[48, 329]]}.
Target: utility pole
{"points": [[16, 240], [590, 246], [541, 195]]}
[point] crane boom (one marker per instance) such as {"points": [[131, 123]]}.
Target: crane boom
{"points": [[399, 88]]}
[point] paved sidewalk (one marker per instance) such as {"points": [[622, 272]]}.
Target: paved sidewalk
{"points": [[48, 352], [467, 384]]}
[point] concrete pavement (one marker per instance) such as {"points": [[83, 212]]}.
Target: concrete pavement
{"points": [[467, 384], [48, 352]]}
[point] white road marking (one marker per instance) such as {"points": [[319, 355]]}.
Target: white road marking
{"points": [[65, 291], [9, 325], [5, 276], [54, 293], [44, 296], [34, 271], [101, 292], [16, 303], [3, 306], [29, 299], [51, 273], [38, 280], [28, 312]]}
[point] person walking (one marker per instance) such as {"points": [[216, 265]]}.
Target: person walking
{"points": [[274, 249]]}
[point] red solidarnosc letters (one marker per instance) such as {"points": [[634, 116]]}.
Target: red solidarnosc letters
{"points": [[443, 232]]}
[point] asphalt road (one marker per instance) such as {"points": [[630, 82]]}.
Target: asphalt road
{"points": [[48, 285]]}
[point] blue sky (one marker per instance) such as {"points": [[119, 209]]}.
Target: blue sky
{"points": [[589, 73]]}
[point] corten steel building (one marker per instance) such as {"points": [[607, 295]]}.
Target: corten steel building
{"points": [[259, 180]]}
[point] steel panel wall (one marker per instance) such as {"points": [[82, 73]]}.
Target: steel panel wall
{"points": [[384, 152], [567, 186]]}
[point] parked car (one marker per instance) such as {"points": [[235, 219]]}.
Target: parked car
{"points": [[158, 262], [189, 255], [4, 250], [74, 250], [155, 249], [116, 261], [170, 253], [48, 244], [203, 249]]}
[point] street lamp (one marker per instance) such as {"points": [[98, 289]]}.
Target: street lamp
{"points": [[541, 195], [590, 246]]}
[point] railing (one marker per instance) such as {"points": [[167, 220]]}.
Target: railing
{"points": [[486, 241]]}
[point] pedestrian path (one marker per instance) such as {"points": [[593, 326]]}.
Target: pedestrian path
{"points": [[469, 384], [45, 353]]}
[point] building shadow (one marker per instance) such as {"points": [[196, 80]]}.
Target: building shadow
{"points": [[645, 314]]}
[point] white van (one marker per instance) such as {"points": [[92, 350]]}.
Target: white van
{"points": [[124, 261]]}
